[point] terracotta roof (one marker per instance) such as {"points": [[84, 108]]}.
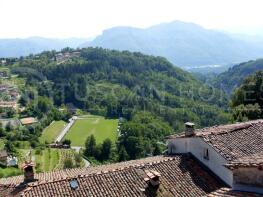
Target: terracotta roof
{"points": [[26, 121], [226, 192], [3, 153], [178, 175], [61, 174], [233, 141], [255, 160]]}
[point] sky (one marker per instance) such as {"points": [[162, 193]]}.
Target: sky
{"points": [[87, 18]]}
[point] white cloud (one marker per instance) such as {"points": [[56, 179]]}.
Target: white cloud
{"points": [[84, 18]]}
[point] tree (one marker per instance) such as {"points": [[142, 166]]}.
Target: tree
{"points": [[10, 113], [134, 147], [246, 101], [90, 146], [123, 155], [23, 100], [66, 142], [106, 149], [44, 104], [9, 127], [247, 112], [97, 152], [10, 147], [156, 149], [2, 132]]}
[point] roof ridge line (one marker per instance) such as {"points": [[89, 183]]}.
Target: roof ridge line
{"points": [[101, 172]]}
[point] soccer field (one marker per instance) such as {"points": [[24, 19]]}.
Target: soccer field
{"points": [[100, 127]]}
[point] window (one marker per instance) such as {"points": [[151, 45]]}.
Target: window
{"points": [[206, 153]]}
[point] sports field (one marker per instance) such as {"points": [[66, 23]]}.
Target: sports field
{"points": [[52, 131], [100, 127]]}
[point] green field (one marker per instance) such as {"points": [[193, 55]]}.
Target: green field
{"points": [[52, 131], [47, 160], [100, 127], [10, 171], [2, 144]]}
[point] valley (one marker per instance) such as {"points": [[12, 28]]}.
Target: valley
{"points": [[123, 105], [128, 98]]}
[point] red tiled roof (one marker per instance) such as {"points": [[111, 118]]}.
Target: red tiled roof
{"points": [[180, 175], [233, 141], [61, 174], [26, 121], [226, 192], [255, 160]]}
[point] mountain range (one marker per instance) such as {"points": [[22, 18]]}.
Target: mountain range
{"points": [[184, 44]]}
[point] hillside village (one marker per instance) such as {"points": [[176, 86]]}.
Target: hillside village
{"points": [[224, 160], [136, 98], [49, 147]]}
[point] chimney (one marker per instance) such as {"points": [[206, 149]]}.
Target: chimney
{"points": [[153, 178], [28, 168], [189, 129], [28, 172]]}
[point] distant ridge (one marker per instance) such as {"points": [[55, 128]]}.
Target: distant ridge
{"points": [[22, 47], [184, 44]]}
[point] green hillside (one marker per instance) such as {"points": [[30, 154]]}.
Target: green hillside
{"points": [[112, 84], [234, 77]]}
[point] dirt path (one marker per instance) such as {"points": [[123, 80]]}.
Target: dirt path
{"points": [[66, 128]]}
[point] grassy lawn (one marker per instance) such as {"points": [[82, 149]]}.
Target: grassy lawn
{"points": [[2, 144], [100, 127], [47, 160], [10, 171], [52, 131]]}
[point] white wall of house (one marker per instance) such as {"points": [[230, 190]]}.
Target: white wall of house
{"points": [[197, 146]]}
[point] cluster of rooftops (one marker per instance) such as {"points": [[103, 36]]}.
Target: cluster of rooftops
{"points": [[225, 160]]}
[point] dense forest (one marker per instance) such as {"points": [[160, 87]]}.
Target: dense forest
{"points": [[119, 84], [247, 101], [235, 75]]}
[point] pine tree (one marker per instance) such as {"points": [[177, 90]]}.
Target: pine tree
{"points": [[90, 146]]}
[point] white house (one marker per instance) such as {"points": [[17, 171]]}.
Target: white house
{"points": [[218, 146]]}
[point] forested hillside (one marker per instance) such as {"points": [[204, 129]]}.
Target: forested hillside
{"points": [[234, 77], [113, 84], [247, 99]]}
